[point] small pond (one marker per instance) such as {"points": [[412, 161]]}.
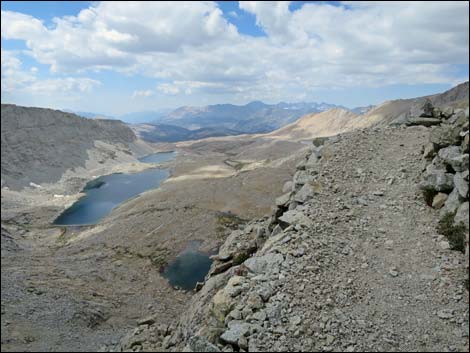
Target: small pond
{"points": [[189, 267]]}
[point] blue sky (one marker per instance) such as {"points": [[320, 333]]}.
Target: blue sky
{"points": [[115, 58]]}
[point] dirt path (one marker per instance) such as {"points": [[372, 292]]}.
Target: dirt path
{"points": [[376, 276]]}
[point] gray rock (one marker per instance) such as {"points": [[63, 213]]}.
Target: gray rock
{"points": [[427, 109], [296, 217], [429, 151], [287, 186], [283, 200], [439, 200], [452, 203], [261, 264], [437, 180], [445, 314], [237, 330], [301, 177], [452, 156], [461, 184], [304, 194], [462, 215], [200, 344], [423, 121], [445, 135]]}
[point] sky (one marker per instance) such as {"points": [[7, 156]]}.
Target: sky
{"points": [[118, 57]]}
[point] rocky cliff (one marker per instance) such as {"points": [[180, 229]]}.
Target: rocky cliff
{"points": [[39, 145], [352, 258]]}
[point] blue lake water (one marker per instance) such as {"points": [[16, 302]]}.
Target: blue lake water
{"points": [[106, 192], [187, 269], [158, 157]]}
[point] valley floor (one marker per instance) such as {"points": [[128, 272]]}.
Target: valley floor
{"points": [[86, 288]]}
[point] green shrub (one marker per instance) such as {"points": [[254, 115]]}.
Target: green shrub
{"points": [[455, 233], [429, 196]]}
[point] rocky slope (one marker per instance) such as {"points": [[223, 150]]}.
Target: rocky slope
{"points": [[40, 145], [352, 258]]}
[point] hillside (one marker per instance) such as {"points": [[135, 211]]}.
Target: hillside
{"points": [[351, 258], [39, 145]]}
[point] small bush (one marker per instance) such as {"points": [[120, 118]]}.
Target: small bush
{"points": [[429, 196], [240, 258], [454, 233]]}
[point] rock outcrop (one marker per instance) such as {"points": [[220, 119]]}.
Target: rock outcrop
{"points": [[39, 145], [445, 180]]}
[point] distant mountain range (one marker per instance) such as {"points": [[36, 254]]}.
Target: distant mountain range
{"points": [[191, 122]]}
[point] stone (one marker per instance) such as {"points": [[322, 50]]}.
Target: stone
{"points": [[283, 200], [254, 301], [149, 320], [319, 141], [260, 264], [447, 112], [461, 184], [296, 217], [452, 203], [444, 245], [462, 215], [426, 109], [445, 314], [287, 186], [301, 177], [452, 156], [200, 344], [439, 200], [423, 121], [437, 180], [445, 135], [221, 305], [304, 194], [237, 330], [429, 151]]}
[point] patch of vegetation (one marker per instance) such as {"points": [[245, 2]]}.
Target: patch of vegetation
{"points": [[455, 233], [429, 196], [227, 220], [240, 258]]}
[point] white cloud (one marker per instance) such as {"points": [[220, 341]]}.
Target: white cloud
{"points": [[197, 51], [143, 93], [17, 80]]}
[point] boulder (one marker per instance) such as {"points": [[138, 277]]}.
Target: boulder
{"points": [[296, 217], [287, 186], [304, 194], [425, 110], [429, 151], [452, 156], [237, 330], [301, 177], [200, 344], [445, 135], [452, 203], [461, 183], [462, 215], [261, 264], [423, 121], [283, 200], [439, 200], [319, 141], [437, 180]]}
